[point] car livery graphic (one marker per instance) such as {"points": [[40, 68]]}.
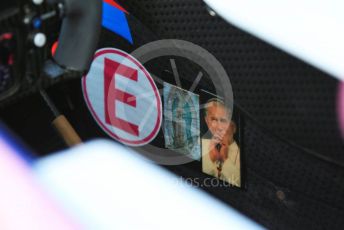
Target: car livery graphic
{"points": [[115, 19]]}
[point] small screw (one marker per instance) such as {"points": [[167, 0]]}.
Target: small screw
{"points": [[280, 195], [211, 12]]}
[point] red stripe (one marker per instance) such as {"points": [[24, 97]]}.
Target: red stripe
{"points": [[126, 98], [115, 4]]}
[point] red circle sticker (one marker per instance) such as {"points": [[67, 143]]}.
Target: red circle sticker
{"points": [[122, 97]]}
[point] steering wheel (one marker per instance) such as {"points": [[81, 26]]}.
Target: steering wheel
{"points": [[26, 31]]}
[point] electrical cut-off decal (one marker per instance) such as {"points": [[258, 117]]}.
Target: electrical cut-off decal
{"points": [[123, 98]]}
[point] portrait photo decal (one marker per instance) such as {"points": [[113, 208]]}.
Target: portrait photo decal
{"points": [[220, 150]]}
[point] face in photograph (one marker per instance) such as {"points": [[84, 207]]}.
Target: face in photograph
{"points": [[221, 154]]}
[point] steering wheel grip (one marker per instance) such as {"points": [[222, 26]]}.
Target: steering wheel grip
{"points": [[79, 34]]}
